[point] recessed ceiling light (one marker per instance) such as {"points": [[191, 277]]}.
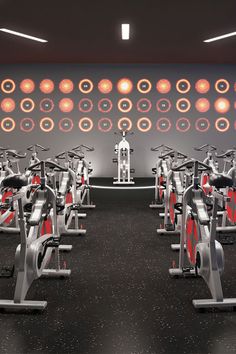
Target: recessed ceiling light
{"points": [[23, 35], [220, 37], [125, 31]]}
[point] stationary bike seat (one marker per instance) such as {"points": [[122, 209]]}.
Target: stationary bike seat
{"points": [[220, 181], [15, 181]]}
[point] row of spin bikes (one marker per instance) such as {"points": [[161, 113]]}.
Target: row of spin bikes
{"points": [[197, 201], [41, 204]]}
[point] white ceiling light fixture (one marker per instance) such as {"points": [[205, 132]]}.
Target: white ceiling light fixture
{"points": [[19, 34], [125, 31], [231, 34]]}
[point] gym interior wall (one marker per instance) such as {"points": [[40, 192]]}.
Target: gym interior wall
{"points": [[62, 105]]}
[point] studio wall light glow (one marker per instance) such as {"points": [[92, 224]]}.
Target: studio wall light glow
{"points": [[163, 86], [66, 86], [8, 124], [27, 125], [8, 105], [27, 86], [163, 125], [124, 86], [8, 86], [124, 123], [202, 86], [46, 124], [144, 124], [46, 86], [105, 125], [144, 86], [85, 124], [66, 125], [105, 86]]}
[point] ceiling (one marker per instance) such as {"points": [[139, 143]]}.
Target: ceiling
{"points": [[162, 31]]}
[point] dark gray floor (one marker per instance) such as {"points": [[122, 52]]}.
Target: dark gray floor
{"points": [[120, 298]]}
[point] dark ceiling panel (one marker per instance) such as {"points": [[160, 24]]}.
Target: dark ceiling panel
{"points": [[166, 31]]}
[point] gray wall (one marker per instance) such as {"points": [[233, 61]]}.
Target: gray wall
{"points": [[143, 159]]}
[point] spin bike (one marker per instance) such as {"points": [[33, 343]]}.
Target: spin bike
{"points": [[210, 160], [123, 152], [204, 254], [227, 229], [176, 181], [160, 171], [83, 170], [8, 216], [38, 240], [69, 198]]}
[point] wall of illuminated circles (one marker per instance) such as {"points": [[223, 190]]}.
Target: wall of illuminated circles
{"points": [[64, 105]]}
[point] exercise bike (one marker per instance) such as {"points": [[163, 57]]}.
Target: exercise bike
{"points": [[39, 237], [175, 183], [83, 170], [160, 172], [204, 254], [69, 198], [8, 216], [123, 152]]}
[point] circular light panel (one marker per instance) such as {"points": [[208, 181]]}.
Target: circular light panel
{"points": [[8, 124], [27, 125], [163, 125], [85, 124], [104, 125], [144, 124], [163, 86], [27, 86], [8, 105], [124, 123], [46, 124]]}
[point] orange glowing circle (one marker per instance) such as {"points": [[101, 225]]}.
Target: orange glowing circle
{"points": [[202, 86], [104, 125], [8, 86], [27, 125], [8, 124], [222, 124], [144, 105], [144, 86], [124, 86], [183, 86], [163, 125], [202, 124], [105, 86], [222, 105], [85, 86], [202, 105], [27, 86], [66, 125], [46, 124], [183, 125], [124, 123], [144, 124], [183, 105], [125, 105], [163, 86], [46, 86], [85, 105], [8, 105], [85, 124], [222, 86], [27, 105], [66, 86], [66, 105]]}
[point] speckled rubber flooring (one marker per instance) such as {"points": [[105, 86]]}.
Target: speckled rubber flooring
{"points": [[120, 298]]}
